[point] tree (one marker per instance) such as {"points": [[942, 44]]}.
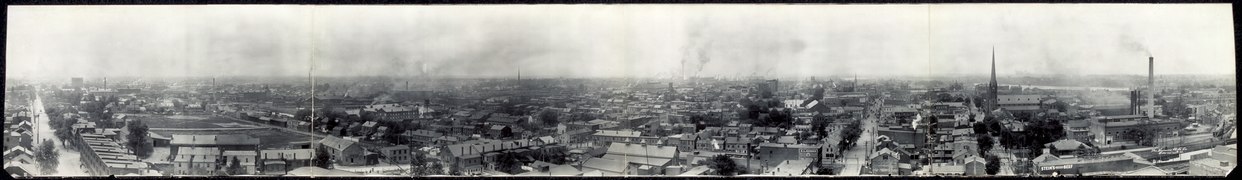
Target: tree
{"points": [[47, 156], [302, 114], [980, 128], [235, 167], [819, 124], [992, 165], [508, 162], [723, 165], [138, 139], [548, 117], [824, 171], [554, 155], [849, 135], [322, 159], [417, 161], [1141, 136], [985, 143]]}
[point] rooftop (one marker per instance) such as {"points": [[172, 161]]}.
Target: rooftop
{"points": [[214, 140]]}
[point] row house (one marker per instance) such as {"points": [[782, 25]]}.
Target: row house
{"points": [[248, 160], [281, 161], [221, 142]]}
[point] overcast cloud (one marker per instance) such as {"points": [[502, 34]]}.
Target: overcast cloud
{"points": [[616, 40]]}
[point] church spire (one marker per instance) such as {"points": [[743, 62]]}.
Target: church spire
{"points": [[992, 100]]}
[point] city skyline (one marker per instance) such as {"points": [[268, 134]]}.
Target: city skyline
{"points": [[617, 41], [962, 90]]}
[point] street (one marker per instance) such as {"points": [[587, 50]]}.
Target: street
{"points": [[856, 157], [69, 163]]}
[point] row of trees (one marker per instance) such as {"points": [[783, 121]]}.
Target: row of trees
{"points": [[1042, 130], [849, 135]]}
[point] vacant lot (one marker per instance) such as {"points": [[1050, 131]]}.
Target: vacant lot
{"points": [[269, 138], [183, 121]]}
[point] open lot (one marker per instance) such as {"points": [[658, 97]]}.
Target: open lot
{"points": [[189, 121], [270, 138]]}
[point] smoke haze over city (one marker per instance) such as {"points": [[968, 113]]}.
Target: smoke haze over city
{"points": [[616, 41]]}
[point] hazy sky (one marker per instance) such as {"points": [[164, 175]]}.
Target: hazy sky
{"points": [[616, 40]]}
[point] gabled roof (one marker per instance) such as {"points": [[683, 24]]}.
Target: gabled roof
{"points": [[886, 151], [1148, 171], [291, 154], [17, 150], [1066, 144], [240, 153], [605, 166], [198, 151], [618, 133], [639, 150], [974, 158], [228, 139], [336, 142]]}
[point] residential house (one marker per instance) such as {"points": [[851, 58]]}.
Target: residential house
{"points": [[889, 162], [344, 152], [228, 142], [974, 166], [281, 161], [246, 159], [422, 137], [195, 160], [500, 131], [398, 154], [19, 138]]}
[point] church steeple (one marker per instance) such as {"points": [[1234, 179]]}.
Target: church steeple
{"points": [[992, 100]]}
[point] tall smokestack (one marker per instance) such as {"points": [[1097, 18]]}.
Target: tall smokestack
{"points": [[1151, 87], [105, 83]]}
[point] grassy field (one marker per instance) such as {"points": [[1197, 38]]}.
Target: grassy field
{"points": [[183, 121], [269, 138]]}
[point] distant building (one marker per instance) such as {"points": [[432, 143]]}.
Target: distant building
{"points": [[391, 112], [423, 137], [76, 83], [1019, 103]]}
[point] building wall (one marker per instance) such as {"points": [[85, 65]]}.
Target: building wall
{"points": [[884, 166], [352, 155]]}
